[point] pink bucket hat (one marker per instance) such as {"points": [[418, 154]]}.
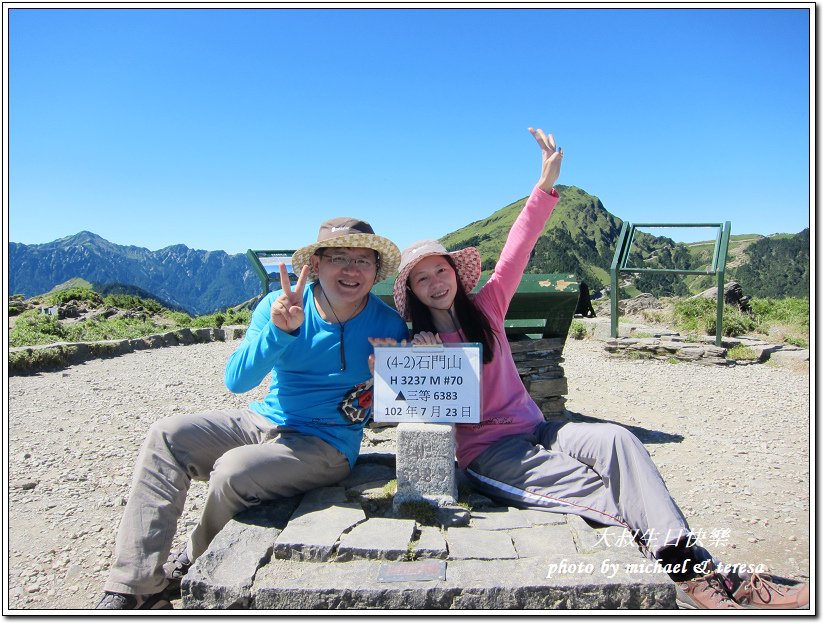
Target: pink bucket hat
{"points": [[467, 262]]}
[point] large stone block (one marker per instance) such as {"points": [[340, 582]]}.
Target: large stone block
{"points": [[469, 584], [544, 386], [426, 463], [222, 576], [543, 344], [315, 527]]}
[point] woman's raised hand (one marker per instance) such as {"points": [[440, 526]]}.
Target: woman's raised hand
{"points": [[287, 310], [426, 338], [550, 160]]}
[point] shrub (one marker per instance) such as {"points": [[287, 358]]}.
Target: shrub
{"points": [[736, 323], [180, 319], [36, 329], [133, 302], [37, 359], [741, 352], [110, 329], [698, 315], [792, 311], [77, 293], [798, 342], [16, 307], [238, 317], [209, 320], [390, 488], [577, 330]]}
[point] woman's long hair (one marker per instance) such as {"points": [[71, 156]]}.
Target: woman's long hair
{"points": [[473, 322]]}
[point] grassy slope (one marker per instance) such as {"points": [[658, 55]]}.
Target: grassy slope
{"points": [[582, 214]]}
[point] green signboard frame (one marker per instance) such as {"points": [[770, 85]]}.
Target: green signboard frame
{"points": [[266, 263], [717, 268]]}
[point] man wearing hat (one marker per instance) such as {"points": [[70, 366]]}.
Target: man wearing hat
{"points": [[304, 434]]}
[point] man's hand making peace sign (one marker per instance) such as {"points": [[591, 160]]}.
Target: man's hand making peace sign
{"points": [[287, 310]]}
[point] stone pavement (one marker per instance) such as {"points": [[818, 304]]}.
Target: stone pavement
{"points": [[345, 547]]}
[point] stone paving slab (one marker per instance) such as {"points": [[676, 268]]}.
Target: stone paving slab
{"points": [[587, 538], [499, 518], [367, 473], [540, 516], [321, 497], [543, 541], [469, 543], [377, 538], [430, 545]]}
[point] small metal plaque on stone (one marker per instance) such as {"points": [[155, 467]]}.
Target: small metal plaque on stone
{"points": [[412, 571]]}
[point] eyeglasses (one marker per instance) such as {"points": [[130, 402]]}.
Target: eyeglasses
{"points": [[362, 264]]}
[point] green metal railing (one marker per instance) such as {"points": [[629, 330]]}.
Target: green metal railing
{"points": [[717, 268], [266, 263]]}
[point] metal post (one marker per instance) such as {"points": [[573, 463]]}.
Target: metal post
{"points": [[722, 267], [719, 310], [613, 279]]}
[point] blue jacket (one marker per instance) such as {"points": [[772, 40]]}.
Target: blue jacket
{"points": [[309, 392]]}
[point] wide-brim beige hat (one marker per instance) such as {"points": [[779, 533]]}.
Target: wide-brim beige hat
{"points": [[467, 262], [350, 232]]}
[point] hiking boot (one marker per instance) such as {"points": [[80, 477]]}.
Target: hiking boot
{"points": [[704, 592], [761, 591], [176, 568], [113, 600]]}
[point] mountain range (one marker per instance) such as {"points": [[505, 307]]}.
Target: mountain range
{"points": [[193, 280], [580, 239]]}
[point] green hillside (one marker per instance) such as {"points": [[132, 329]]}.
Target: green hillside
{"points": [[581, 236]]}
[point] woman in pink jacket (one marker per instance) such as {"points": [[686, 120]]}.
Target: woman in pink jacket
{"points": [[599, 471]]}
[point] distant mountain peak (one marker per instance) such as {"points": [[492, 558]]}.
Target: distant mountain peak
{"points": [[82, 237]]}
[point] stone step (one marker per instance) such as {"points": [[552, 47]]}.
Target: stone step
{"points": [[506, 559]]}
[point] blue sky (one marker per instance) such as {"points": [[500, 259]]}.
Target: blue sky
{"points": [[234, 129]]}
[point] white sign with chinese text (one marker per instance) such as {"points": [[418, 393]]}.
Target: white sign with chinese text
{"points": [[428, 384]]}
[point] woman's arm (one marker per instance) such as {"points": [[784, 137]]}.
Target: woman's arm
{"points": [[527, 227]]}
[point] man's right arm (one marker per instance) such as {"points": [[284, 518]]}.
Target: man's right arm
{"points": [[259, 351]]}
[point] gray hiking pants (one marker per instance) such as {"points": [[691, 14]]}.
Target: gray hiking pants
{"points": [[246, 458], [599, 471]]}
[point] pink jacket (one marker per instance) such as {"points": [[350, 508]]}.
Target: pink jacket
{"points": [[507, 408]]}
